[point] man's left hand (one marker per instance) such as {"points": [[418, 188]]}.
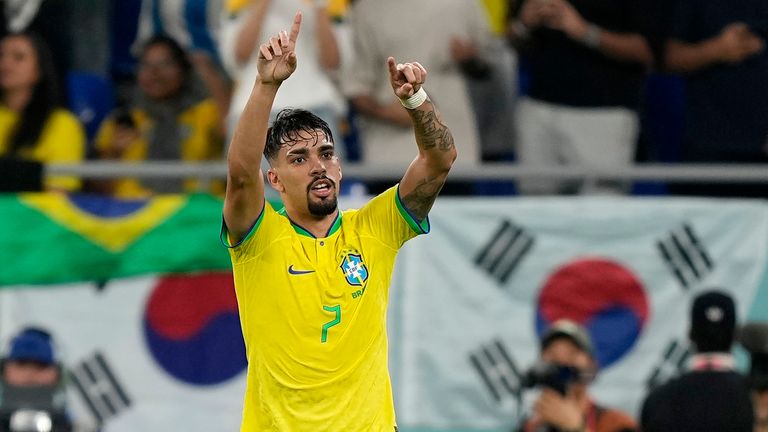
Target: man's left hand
{"points": [[406, 78]]}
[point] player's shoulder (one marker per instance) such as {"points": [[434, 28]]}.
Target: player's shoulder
{"points": [[269, 224]]}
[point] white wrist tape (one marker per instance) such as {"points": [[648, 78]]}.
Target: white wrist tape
{"points": [[416, 100]]}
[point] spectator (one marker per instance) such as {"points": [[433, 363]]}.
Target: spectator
{"points": [[586, 61], [567, 344], [31, 380], [452, 35], [754, 337], [720, 47], [171, 119], [33, 126], [44, 18], [494, 99], [251, 21], [195, 24], [711, 396]]}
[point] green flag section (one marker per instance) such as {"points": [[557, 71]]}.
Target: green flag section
{"points": [[52, 238]]}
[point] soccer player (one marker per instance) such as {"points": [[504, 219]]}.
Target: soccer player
{"points": [[312, 282]]}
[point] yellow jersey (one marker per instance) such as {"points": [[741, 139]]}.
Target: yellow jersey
{"points": [[313, 315], [62, 140]]}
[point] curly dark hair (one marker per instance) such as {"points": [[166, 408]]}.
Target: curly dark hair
{"points": [[288, 125]]}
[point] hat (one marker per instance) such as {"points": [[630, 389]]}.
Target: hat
{"points": [[754, 337], [713, 321], [565, 328], [32, 344]]}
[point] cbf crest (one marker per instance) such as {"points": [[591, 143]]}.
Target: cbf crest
{"points": [[353, 268]]}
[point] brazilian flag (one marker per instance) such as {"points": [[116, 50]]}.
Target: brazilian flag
{"points": [[51, 238]]}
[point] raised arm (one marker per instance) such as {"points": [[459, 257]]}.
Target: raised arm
{"points": [[631, 46], [734, 44], [244, 199], [328, 47], [428, 171], [248, 35]]}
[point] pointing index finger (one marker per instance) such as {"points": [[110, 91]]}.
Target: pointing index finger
{"points": [[392, 67], [295, 27]]}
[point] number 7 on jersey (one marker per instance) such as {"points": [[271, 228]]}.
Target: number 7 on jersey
{"points": [[337, 319]]}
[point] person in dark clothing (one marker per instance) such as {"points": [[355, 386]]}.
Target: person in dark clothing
{"points": [[711, 396], [720, 48], [587, 61]]}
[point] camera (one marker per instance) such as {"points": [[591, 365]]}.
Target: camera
{"points": [[33, 409], [555, 376]]}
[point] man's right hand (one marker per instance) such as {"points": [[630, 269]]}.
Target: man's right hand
{"points": [[277, 57], [737, 43], [558, 411]]}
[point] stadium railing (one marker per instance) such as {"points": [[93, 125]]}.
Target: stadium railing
{"points": [[725, 173]]}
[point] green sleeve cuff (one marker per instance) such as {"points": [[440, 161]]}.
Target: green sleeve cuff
{"points": [[419, 227], [224, 237]]}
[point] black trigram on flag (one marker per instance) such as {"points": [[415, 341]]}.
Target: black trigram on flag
{"points": [[98, 386], [675, 357], [497, 370], [685, 256], [504, 251]]}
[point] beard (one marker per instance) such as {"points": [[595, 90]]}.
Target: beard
{"points": [[326, 205], [323, 207]]}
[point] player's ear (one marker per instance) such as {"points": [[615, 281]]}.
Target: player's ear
{"points": [[274, 180]]}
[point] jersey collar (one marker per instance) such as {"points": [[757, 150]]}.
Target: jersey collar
{"points": [[302, 231]]}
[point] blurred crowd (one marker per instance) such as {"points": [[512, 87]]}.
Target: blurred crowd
{"points": [[542, 82]]}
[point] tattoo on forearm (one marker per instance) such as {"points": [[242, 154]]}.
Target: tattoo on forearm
{"points": [[420, 201], [431, 132]]}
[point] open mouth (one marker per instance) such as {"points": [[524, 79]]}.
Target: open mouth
{"points": [[322, 187]]}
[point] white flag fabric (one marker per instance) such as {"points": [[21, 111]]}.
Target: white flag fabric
{"points": [[476, 293], [157, 353]]}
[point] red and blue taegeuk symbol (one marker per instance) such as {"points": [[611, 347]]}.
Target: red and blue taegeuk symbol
{"points": [[601, 295], [192, 328]]}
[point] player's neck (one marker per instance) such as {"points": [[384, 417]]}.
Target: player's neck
{"points": [[318, 226]]}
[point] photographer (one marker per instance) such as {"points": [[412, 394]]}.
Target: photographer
{"points": [[754, 338], [567, 368], [32, 395]]}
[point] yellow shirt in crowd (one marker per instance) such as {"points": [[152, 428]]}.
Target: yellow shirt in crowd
{"points": [[62, 140], [313, 315], [202, 142]]}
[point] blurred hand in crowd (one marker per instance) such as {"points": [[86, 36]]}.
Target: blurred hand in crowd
{"points": [[737, 43], [536, 13], [462, 49], [566, 18], [124, 137], [554, 409]]}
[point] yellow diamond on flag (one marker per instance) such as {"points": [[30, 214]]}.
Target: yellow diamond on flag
{"points": [[114, 234]]}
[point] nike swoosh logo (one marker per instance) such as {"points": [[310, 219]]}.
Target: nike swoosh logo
{"points": [[298, 272]]}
